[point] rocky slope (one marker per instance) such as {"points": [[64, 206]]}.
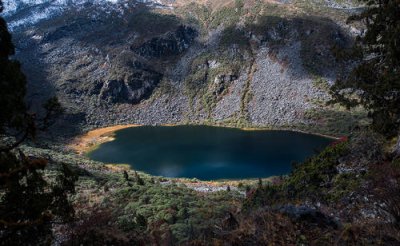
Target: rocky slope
{"points": [[242, 63]]}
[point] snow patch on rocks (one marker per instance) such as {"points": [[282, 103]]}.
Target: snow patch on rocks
{"points": [[22, 13]]}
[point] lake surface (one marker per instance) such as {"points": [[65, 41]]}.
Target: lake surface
{"points": [[208, 153]]}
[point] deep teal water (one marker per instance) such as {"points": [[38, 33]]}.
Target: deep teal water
{"points": [[209, 153]]}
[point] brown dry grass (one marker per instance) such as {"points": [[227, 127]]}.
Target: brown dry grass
{"points": [[84, 143]]}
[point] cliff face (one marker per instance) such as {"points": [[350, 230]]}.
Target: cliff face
{"points": [[238, 63]]}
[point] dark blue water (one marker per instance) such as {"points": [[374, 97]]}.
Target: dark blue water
{"points": [[208, 153]]}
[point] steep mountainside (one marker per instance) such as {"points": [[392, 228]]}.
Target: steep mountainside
{"points": [[241, 63]]}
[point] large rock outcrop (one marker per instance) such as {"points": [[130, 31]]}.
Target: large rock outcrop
{"points": [[132, 86], [117, 63], [171, 44]]}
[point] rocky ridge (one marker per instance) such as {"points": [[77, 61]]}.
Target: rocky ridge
{"points": [[148, 66]]}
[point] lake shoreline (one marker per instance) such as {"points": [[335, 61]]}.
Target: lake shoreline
{"points": [[199, 185], [90, 140]]}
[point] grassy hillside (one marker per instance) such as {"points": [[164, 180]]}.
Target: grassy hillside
{"points": [[339, 196]]}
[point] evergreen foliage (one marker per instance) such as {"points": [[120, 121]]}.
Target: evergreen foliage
{"points": [[29, 201], [375, 82]]}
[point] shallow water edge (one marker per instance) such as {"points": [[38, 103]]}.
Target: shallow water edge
{"points": [[91, 140]]}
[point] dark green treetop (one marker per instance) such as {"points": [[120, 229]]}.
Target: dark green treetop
{"points": [[375, 81], [29, 202]]}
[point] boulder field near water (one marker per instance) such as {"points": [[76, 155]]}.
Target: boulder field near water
{"points": [[181, 62]]}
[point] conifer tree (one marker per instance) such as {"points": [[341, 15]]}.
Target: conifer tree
{"points": [[29, 202], [375, 81]]}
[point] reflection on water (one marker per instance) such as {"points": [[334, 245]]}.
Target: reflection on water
{"points": [[208, 152]]}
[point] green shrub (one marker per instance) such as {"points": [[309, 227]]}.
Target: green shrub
{"points": [[152, 23], [321, 83], [233, 36], [314, 177]]}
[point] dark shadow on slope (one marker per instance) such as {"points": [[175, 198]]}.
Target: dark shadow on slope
{"points": [[86, 58], [121, 45], [95, 28], [317, 37], [93, 59], [301, 45], [40, 88]]}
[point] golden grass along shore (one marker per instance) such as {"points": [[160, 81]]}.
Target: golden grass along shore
{"points": [[82, 144]]}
